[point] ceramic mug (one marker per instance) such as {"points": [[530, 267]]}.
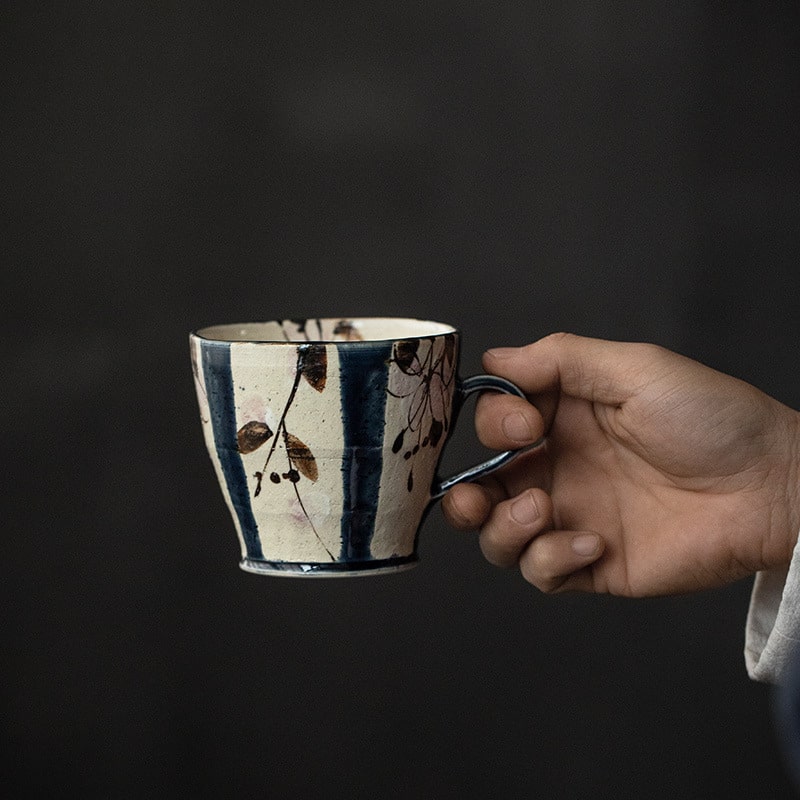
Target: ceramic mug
{"points": [[326, 436]]}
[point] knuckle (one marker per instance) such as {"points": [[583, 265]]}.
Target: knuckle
{"points": [[499, 546], [647, 353], [494, 551], [560, 338], [540, 568], [534, 576]]}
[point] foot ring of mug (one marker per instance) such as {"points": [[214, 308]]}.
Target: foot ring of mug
{"points": [[333, 569]]}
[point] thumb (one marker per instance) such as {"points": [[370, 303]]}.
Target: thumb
{"points": [[591, 369]]}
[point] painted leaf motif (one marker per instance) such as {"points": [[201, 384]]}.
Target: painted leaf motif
{"points": [[313, 364], [436, 432], [301, 457], [404, 355], [347, 331], [252, 435]]}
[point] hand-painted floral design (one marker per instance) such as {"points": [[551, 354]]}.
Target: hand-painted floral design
{"points": [[312, 365], [423, 379]]}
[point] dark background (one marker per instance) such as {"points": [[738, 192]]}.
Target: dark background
{"points": [[620, 170]]}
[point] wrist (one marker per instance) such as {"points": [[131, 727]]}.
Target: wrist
{"points": [[782, 482]]}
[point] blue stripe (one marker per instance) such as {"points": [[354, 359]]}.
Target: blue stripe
{"points": [[216, 358], [364, 371]]}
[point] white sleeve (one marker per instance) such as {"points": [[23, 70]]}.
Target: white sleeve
{"points": [[772, 633]]}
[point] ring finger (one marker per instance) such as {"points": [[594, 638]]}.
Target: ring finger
{"points": [[512, 525]]}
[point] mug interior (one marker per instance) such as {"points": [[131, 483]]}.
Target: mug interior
{"points": [[332, 329]]}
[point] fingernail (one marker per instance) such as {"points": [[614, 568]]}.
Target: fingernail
{"points": [[501, 352], [585, 544], [516, 427], [524, 509]]}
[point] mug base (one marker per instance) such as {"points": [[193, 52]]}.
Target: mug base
{"points": [[333, 569]]}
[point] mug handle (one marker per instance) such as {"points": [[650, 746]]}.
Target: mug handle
{"points": [[480, 383]]}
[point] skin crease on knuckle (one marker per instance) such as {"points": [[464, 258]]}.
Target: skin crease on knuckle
{"points": [[541, 570]]}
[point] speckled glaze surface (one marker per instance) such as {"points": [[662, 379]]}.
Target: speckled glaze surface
{"points": [[326, 435]]}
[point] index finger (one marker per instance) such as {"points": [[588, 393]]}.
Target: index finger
{"points": [[597, 370]]}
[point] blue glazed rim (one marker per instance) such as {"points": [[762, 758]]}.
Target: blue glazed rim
{"points": [[332, 569]]}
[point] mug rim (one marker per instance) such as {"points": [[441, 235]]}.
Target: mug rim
{"points": [[204, 334]]}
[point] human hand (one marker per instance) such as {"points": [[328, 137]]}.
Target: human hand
{"points": [[658, 475]]}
